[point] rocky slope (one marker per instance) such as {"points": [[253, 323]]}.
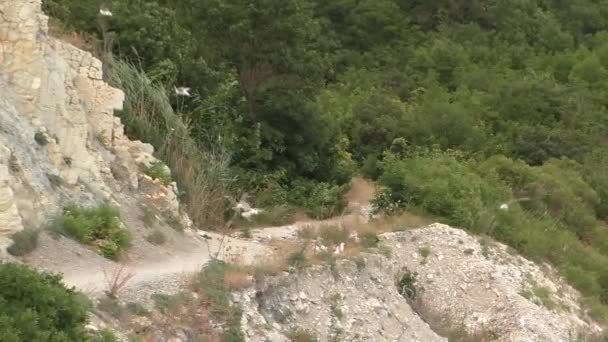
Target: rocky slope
{"points": [[464, 287], [60, 142]]}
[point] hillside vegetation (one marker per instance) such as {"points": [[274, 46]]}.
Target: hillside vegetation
{"points": [[457, 108]]}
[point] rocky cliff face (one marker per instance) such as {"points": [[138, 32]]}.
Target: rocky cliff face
{"points": [[60, 142]]}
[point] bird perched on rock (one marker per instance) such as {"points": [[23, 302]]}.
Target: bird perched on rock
{"points": [[182, 91]]}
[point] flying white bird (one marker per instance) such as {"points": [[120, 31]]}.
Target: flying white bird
{"points": [[182, 91], [105, 12]]}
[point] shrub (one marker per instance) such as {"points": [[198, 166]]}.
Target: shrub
{"points": [[302, 335], [99, 227], [111, 306], [334, 235], [407, 286], [159, 171], [137, 309], [24, 242], [164, 302], [297, 259], [37, 307], [442, 184], [369, 239], [156, 237], [41, 139]]}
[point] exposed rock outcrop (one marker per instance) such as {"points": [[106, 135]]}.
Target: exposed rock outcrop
{"points": [[462, 285], [60, 142]]}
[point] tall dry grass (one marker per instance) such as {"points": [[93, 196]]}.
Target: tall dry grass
{"points": [[202, 173]]}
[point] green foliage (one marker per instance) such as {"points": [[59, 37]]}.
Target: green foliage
{"points": [[407, 286], [158, 170], [137, 309], [369, 239], [148, 116], [112, 306], [37, 307], [550, 214], [24, 242], [100, 226]]}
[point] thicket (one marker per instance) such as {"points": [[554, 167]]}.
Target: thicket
{"points": [[457, 107], [37, 307]]}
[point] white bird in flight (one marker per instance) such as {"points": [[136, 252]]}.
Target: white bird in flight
{"points": [[105, 12], [182, 91]]}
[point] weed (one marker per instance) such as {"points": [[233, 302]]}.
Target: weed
{"points": [[307, 233], [424, 251], [484, 242], [360, 263], [237, 278], [369, 239], [137, 309], [148, 216], [335, 301], [55, 180], [13, 163], [544, 295], [156, 237], [246, 232], [102, 139], [24, 242], [333, 235], [173, 221], [111, 306], [105, 335], [302, 335], [297, 259], [407, 286], [165, 303], [159, 171], [41, 139], [385, 250]]}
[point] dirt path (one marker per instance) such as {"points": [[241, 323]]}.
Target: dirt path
{"points": [[165, 272], [169, 269]]}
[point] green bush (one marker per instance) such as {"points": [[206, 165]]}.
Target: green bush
{"points": [[550, 214], [37, 307], [24, 242], [369, 239], [158, 170], [100, 226], [443, 184]]}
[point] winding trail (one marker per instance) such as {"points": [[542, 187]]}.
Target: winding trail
{"points": [[167, 269]]}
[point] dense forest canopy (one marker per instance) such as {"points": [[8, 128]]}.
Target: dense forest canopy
{"points": [[453, 106]]}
